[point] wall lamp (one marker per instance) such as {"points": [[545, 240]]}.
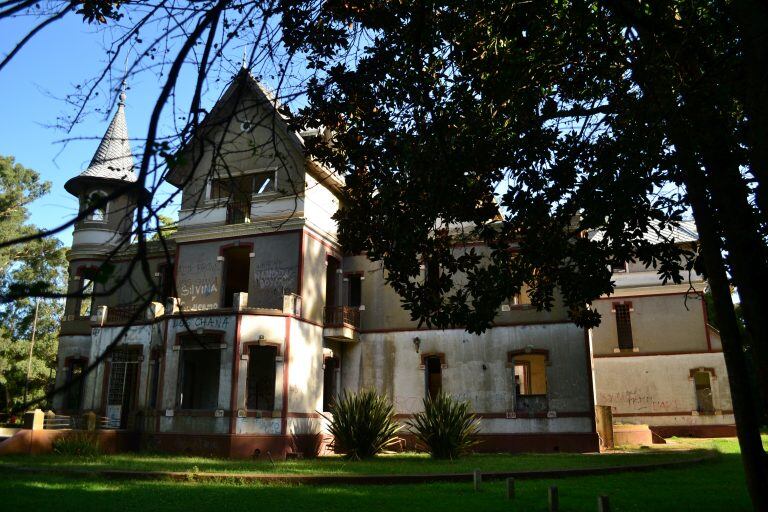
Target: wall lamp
{"points": [[416, 343]]}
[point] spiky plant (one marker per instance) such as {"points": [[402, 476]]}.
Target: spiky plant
{"points": [[363, 424], [447, 428]]}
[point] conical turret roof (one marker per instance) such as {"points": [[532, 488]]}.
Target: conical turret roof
{"points": [[113, 160]]}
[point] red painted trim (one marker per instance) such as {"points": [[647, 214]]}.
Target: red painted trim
{"points": [[439, 355], [336, 251], [706, 323], [238, 244], [644, 354], [237, 237], [286, 364], [674, 413], [692, 371], [502, 324], [253, 413], [235, 375], [527, 352], [229, 312], [641, 295]]}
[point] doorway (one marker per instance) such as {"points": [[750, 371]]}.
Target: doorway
{"points": [[237, 264], [123, 386], [433, 375]]}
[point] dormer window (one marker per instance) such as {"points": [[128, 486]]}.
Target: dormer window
{"points": [[243, 187], [97, 201]]}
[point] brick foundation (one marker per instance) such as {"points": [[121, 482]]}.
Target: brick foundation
{"points": [[694, 430]]}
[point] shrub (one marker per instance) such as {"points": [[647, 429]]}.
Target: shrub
{"points": [[446, 428], [363, 424], [77, 444], [307, 439]]}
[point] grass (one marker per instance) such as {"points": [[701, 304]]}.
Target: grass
{"points": [[715, 485], [385, 464]]}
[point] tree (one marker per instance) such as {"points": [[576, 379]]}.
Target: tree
{"points": [[523, 124], [39, 265], [617, 117]]}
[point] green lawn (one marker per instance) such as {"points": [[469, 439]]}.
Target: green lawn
{"points": [[716, 485], [334, 465]]}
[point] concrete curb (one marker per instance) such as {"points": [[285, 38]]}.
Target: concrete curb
{"points": [[391, 479]]}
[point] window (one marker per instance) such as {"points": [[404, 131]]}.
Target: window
{"points": [[154, 378], [165, 283], [241, 188], [199, 367], [530, 374], [237, 264], [355, 290], [99, 213], [261, 377], [264, 182], [618, 267], [330, 390], [623, 325], [433, 376], [702, 380], [522, 298], [75, 370], [84, 304], [331, 278]]}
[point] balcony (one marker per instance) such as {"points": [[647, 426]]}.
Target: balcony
{"points": [[341, 323], [124, 313], [238, 212], [531, 404]]}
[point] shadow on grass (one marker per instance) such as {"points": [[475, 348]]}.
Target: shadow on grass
{"points": [[716, 485]]}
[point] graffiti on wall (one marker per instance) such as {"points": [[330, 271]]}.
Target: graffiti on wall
{"points": [[274, 270], [199, 280], [637, 399], [202, 322]]}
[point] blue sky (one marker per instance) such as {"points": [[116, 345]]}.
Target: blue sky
{"points": [[32, 91]]}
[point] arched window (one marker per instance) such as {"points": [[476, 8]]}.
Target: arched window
{"points": [[97, 201]]}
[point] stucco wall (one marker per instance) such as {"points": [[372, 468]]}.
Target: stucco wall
{"points": [[476, 370], [273, 271], [658, 389], [660, 323]]}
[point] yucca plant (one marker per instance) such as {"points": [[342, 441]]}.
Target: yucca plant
{"points": [[363, 424], [447, 428]]}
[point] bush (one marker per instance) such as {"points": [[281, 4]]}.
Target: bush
{"points": [[77, 444], [446, 428], [363, 424], [306, 439]]}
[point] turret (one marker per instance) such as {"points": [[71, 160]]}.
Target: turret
{"points": [[110, 171]]}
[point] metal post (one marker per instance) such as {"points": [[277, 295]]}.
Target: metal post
{"points": [[510, 488], [554, 499], [603, 505], [477, 478]]}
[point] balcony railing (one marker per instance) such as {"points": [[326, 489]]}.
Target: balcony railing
{"points": [[342, 315], [531, 404], [238, 212], [123, 313]]}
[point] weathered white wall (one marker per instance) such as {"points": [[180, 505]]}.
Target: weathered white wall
{"points": [[660, 388], [660, 323], [69, 346], [389, 363]]}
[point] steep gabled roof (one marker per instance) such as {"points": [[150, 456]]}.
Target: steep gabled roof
{"points": [[269, 101], [113, 160], [682, 233]]}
